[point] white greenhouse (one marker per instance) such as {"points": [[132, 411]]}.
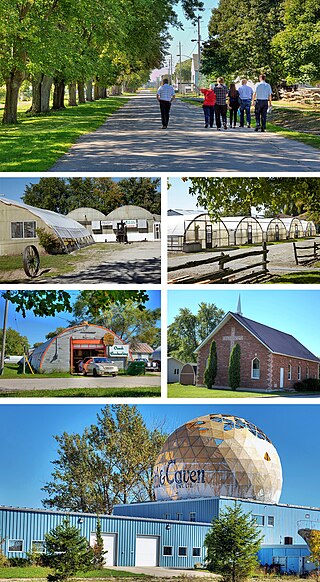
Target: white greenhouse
{"points": [[243, 230], [309, 228], [273, 228], [294, 227], [192, 232], [19, 223]]}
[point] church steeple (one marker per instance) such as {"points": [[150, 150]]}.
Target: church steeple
{"points": [[239, 306]]}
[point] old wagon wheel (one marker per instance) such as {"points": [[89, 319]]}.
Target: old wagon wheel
{"points": [[31, 261]]}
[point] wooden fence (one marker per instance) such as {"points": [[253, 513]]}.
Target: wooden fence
{"points": [[310, 257], [225, 274]]}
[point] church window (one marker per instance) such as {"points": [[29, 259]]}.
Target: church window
{"points": [[307, 372], [299, 372], [255, 369], [289, 372]]}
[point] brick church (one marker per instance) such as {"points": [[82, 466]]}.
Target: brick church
{"points": [[270, 359]]}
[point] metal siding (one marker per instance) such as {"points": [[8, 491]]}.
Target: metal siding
{"points": [[205, 509]]}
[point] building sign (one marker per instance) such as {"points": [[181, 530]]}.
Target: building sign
{"points": [[131, 223], [106, 223], [119, 350], [108, 339], [171, 475]]}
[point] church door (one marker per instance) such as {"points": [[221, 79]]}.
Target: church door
{"points": [[281, 377]]}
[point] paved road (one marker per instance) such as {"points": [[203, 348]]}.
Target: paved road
{"points": [[78, 382], [132, 140]]}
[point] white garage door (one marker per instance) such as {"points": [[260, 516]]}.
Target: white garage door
{"points": [[147, 551], [109, 545]]}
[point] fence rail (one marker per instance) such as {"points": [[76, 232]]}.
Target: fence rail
{"points": [[310, 257], [225, 274]]}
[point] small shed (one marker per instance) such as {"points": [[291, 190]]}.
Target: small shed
{"points": [[87, 217], [294, 226], [140, 224], [192, 232], [64, 352], [273, 229], [174, 368], [243, 230], [188, 374], [19, 223]]}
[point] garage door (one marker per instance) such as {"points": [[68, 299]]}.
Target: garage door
{"points": [[109, 545], [147, 551]]}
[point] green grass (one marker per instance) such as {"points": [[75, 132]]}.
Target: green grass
{"points": [[307, 278], [39, 572], [179, 391], [15, 371], [306, 138], [36, 142], [136, 392]]}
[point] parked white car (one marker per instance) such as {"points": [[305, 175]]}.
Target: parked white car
{"points": [[101, 367]]}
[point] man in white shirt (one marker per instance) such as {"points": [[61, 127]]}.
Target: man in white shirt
{"points": [[165, 96], [262, 98], [245, 94]]}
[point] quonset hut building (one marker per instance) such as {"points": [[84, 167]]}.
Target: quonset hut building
{"points": [[205, 465]]}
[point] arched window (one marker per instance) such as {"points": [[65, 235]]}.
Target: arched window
{"points": [[307, 372], [289, 372], [299, 372], [255, 368]]}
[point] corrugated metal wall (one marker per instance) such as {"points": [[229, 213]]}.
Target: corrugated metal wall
{"points": [[205, 509]]}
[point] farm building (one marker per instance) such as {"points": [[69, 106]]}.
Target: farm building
{"points": [[174, 369], [195, 232], [243, 230], [204, 467], [19, 223], [188, 375], [270, 359], [64, 352], [273, 229], [294, 226], [141, 351], [140, 225], [86, 216]]}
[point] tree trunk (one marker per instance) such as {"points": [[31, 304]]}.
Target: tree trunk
{"points": [[81, 96], [96, 92], [58, 95], [72, 94], [41, 87], [13, 84], [89, 91], [102, 92]]}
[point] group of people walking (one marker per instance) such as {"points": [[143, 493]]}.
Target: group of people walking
{"points": [[219, 99]]}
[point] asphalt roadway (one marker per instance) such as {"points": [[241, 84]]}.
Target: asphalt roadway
{"points": [[12, 384], [132, 140]]}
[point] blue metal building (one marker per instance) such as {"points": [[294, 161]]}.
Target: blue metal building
{"points": [[169, 534]]}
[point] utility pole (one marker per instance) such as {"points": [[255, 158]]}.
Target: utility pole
{"points": [[180, 69], [198, 41], [4, 333]]}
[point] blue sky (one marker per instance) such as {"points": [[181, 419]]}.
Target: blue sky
{"points": [[188, 33], [36, 328], [26, 435], [179, 197], [293, 311]]}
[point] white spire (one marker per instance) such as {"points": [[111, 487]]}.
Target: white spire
{"points": [[239, 306]]}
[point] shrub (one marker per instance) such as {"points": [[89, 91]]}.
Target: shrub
{"points": [[307, 385], [51, 243], [4, 562], [19, 562], [234, 367], [211, 369]]}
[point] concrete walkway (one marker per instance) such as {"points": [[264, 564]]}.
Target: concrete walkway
{"points": [[14, 384], [159, 572], [132, 140]]}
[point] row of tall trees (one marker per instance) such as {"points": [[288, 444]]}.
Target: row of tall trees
{"points": [[76, 42], [276, 37], [237, 196], [104, 194]]}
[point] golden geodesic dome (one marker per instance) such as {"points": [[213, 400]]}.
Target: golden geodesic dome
{"points": [[218, 455]]}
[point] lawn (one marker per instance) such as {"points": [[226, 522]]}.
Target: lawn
{"points": [[179, 391], [306, 278], [135, 392], [15, 371], [36, 142], [39, 572]]}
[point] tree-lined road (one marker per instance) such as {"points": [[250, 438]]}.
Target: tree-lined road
{"points": [[131, 140]]}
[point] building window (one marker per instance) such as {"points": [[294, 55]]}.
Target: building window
{"points": [[37, 547], [24, 229], [259, 519], [299, 372], [288, 541], [307, 372], [182, 551], [179, 516], [270, 520], [15, 546], [167, 516], [255, 369], [196, 552], [167, 550], [289, 372], [192, 516]]}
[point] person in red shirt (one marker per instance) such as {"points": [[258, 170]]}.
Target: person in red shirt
{"points": [[208, 105]]}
